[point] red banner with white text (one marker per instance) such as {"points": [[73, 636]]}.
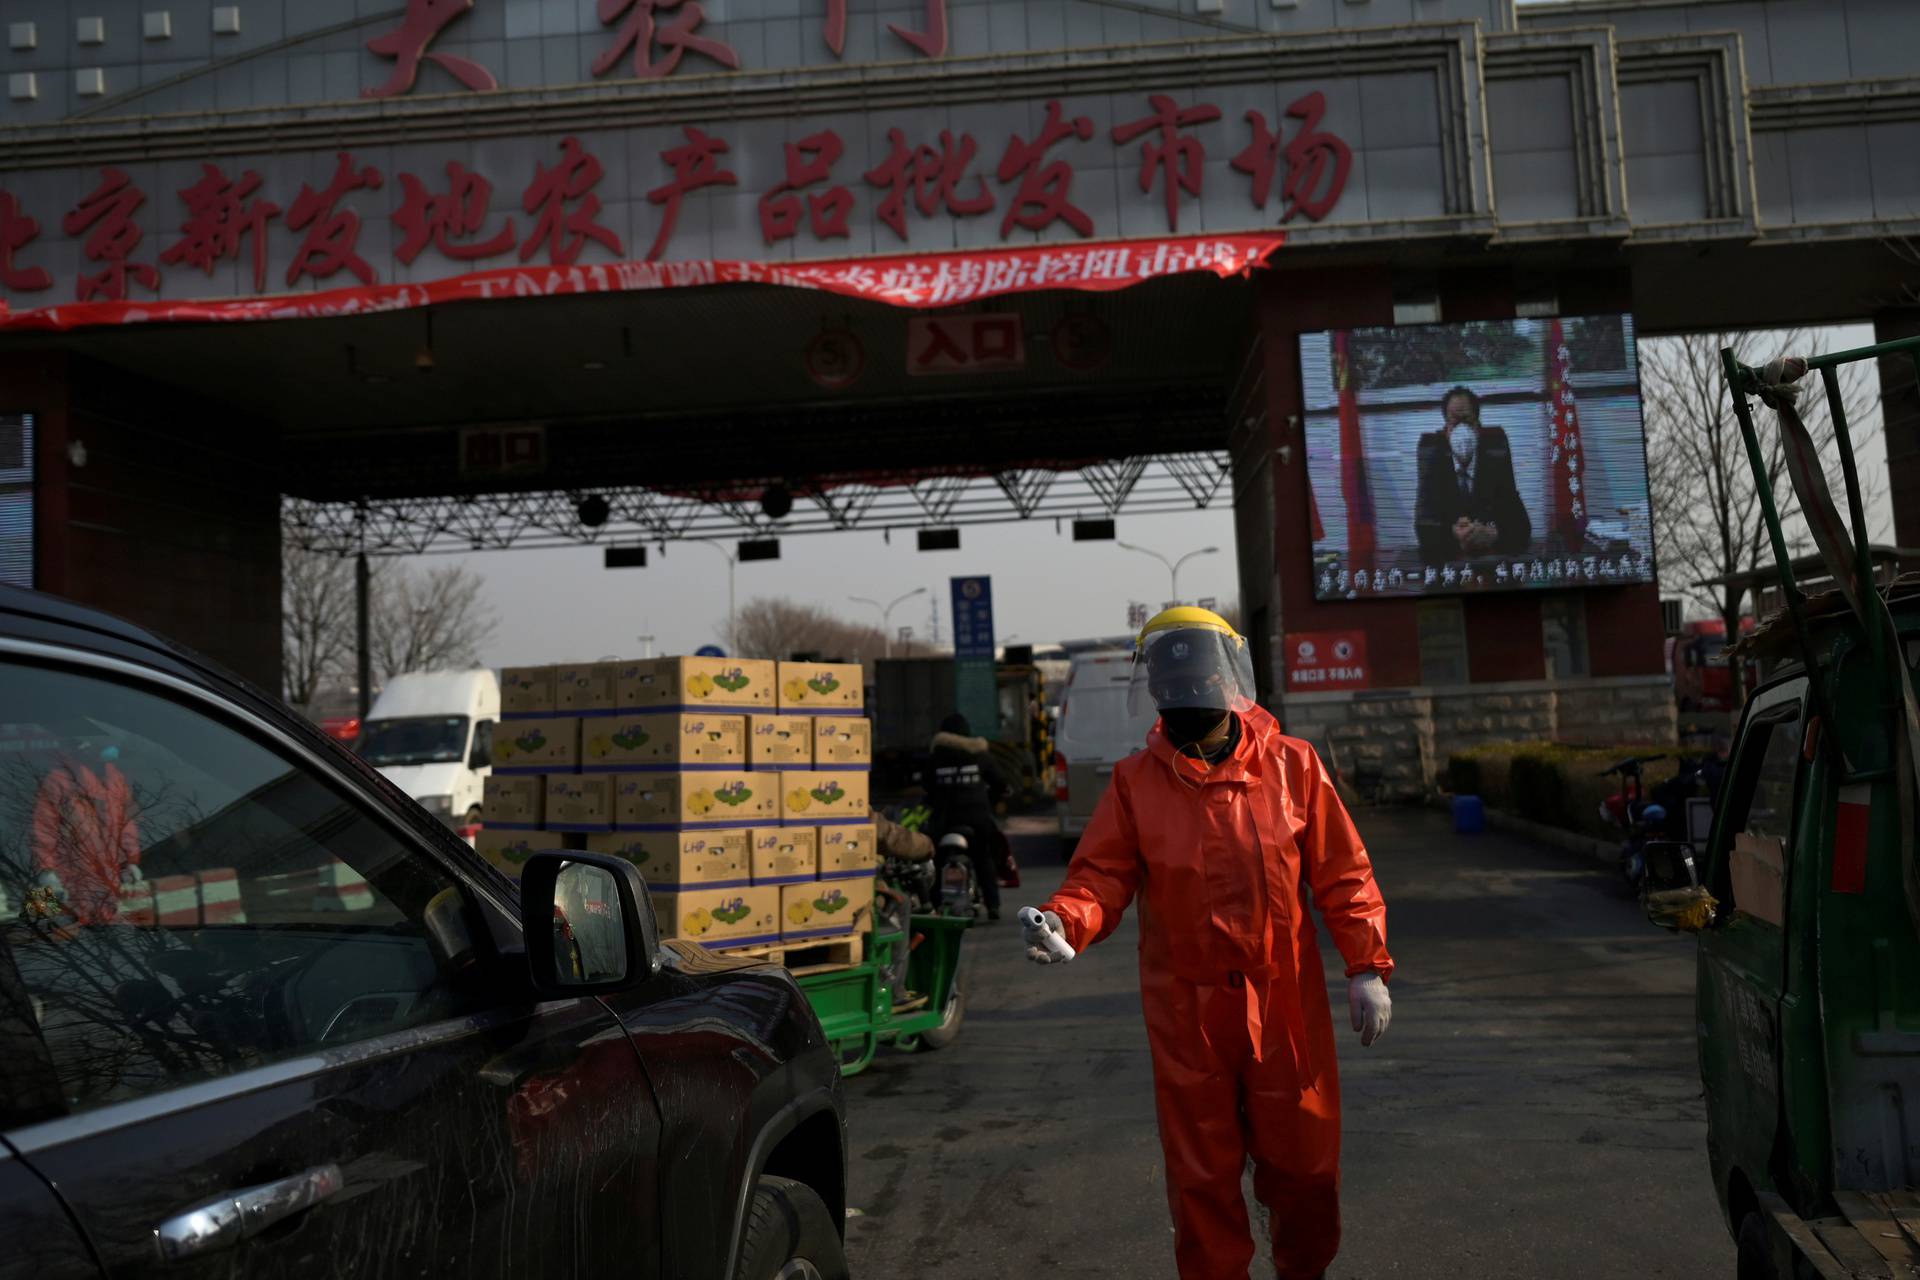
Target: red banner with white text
{"points": [[915, 280]]}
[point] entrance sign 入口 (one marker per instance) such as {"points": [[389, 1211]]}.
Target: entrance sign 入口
{"points": [[984, 342], [1326, 660]]}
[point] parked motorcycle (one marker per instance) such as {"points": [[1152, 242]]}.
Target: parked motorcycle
{"points": [[957, 885], [1638, 818]]}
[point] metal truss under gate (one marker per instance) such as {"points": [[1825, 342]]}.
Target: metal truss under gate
{"points": [[1141, 485]]}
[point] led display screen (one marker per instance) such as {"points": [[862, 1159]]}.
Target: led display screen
{"points": [[1479, 456]]}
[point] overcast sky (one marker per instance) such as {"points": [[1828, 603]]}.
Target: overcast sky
{"points": [[561, 604]]}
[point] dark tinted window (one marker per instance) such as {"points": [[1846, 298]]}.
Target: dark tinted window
{"points": [[178, 901]]}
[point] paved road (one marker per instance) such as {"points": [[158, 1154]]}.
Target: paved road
{"points": [[1533, 1112]]}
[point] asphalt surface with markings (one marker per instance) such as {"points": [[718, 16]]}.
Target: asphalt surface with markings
{"points": [[1533, 1112]]}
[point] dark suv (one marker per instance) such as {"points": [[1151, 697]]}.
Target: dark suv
{"points": [[260, 1014]]}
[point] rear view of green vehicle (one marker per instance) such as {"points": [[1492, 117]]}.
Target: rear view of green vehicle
{"points": [[1806, 898]]}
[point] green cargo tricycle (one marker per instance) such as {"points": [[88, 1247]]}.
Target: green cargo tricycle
{"points": [[907, 989]]}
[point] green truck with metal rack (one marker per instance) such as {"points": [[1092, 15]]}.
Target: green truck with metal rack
{"points": [[1805, 898]]}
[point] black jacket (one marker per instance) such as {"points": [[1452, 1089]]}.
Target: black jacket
{"points": [[1495, 499], [963, 784]]}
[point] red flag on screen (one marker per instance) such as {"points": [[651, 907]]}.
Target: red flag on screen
{"points": [[1353, 463], [1313, 508], [1564, 460]]}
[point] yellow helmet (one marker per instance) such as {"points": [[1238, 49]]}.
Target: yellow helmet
{"points": [[1188, 657], [1182, 616]]}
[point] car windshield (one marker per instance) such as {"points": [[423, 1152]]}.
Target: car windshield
{"points": [[1095, 721], [1713, 649], [414, 740]]}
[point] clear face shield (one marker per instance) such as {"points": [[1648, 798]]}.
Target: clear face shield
{"points": [[1191, 668]]}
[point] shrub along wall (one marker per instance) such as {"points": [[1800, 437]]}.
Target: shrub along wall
{"points": [[1550, 782]]}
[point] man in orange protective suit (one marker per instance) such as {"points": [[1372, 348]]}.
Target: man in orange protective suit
{"points": [[1222, 825]]}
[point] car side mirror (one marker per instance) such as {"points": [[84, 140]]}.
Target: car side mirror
{"points": [[1671, 894], [588, 924]]}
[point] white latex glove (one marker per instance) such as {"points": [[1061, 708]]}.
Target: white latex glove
{"points": [[1370, 1005], [1039, 928]]}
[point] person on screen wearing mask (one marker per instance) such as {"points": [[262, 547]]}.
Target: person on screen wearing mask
{"points": [[1468, 504], [1222, 827]]}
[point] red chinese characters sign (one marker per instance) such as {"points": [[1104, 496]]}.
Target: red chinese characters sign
{"points": [[585, 196], [984, 342], [1326, 660]]}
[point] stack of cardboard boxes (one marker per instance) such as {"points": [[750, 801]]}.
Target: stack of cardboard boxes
{"points": [[737, 786]]}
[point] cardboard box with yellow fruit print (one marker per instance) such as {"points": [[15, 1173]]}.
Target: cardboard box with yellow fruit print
{"points": [[579, 802], [720, 798], [667, 740], [784, 855], [822, 688], [825, 908], [508, 849], [815, 796], [779, 742], [842, 742], [584, 688], [674, 860], [547, 745], [849, 851], [695, 684], [527, 691], [513, 801], [737, 917]]}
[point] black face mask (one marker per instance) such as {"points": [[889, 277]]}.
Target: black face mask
{"points": [[1188, 725]]}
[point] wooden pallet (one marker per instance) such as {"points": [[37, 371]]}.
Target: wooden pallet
{"points": [[815, 955]]}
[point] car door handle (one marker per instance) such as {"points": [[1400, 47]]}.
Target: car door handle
{"points": [[237, 1215]]}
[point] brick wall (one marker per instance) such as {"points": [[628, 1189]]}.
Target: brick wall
{"points": [[157, 507], [1407, 734]]}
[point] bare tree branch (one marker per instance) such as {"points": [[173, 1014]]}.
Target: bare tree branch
{"points": [[770, 627], [429, 621], [1709, 519], [316, 622]]}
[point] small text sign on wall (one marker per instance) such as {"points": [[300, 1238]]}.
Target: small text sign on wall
{"points": [[980, 343], [1326, 660]]}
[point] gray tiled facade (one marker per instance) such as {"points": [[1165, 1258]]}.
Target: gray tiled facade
{"points": [[1434, 141]]}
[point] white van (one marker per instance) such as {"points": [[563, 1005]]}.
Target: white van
{"points": [[431, 734], [1095, 733]]}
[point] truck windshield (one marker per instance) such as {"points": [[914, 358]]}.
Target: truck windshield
{"points": [[414, 740]]}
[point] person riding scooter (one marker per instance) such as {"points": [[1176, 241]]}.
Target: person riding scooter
{"points": [[965, 786]]}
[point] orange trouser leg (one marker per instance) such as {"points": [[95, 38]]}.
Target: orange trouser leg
{"points": [[1295, 1143], [1196, 1086]]}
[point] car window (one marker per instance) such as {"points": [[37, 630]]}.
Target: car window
{"points": [[178, 901], [1757, 844], [1095, 719]]}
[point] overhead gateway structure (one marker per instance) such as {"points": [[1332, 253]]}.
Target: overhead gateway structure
{"points": [[448, 276]]}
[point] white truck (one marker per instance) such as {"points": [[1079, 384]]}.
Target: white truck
{"points": [[431, 734]]}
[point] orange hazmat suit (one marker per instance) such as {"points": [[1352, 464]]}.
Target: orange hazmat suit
{"points": [[1232, 988]]}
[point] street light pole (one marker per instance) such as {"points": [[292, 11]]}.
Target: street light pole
{"points": [[733, 562], [886, 613], [1173, 566]]}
